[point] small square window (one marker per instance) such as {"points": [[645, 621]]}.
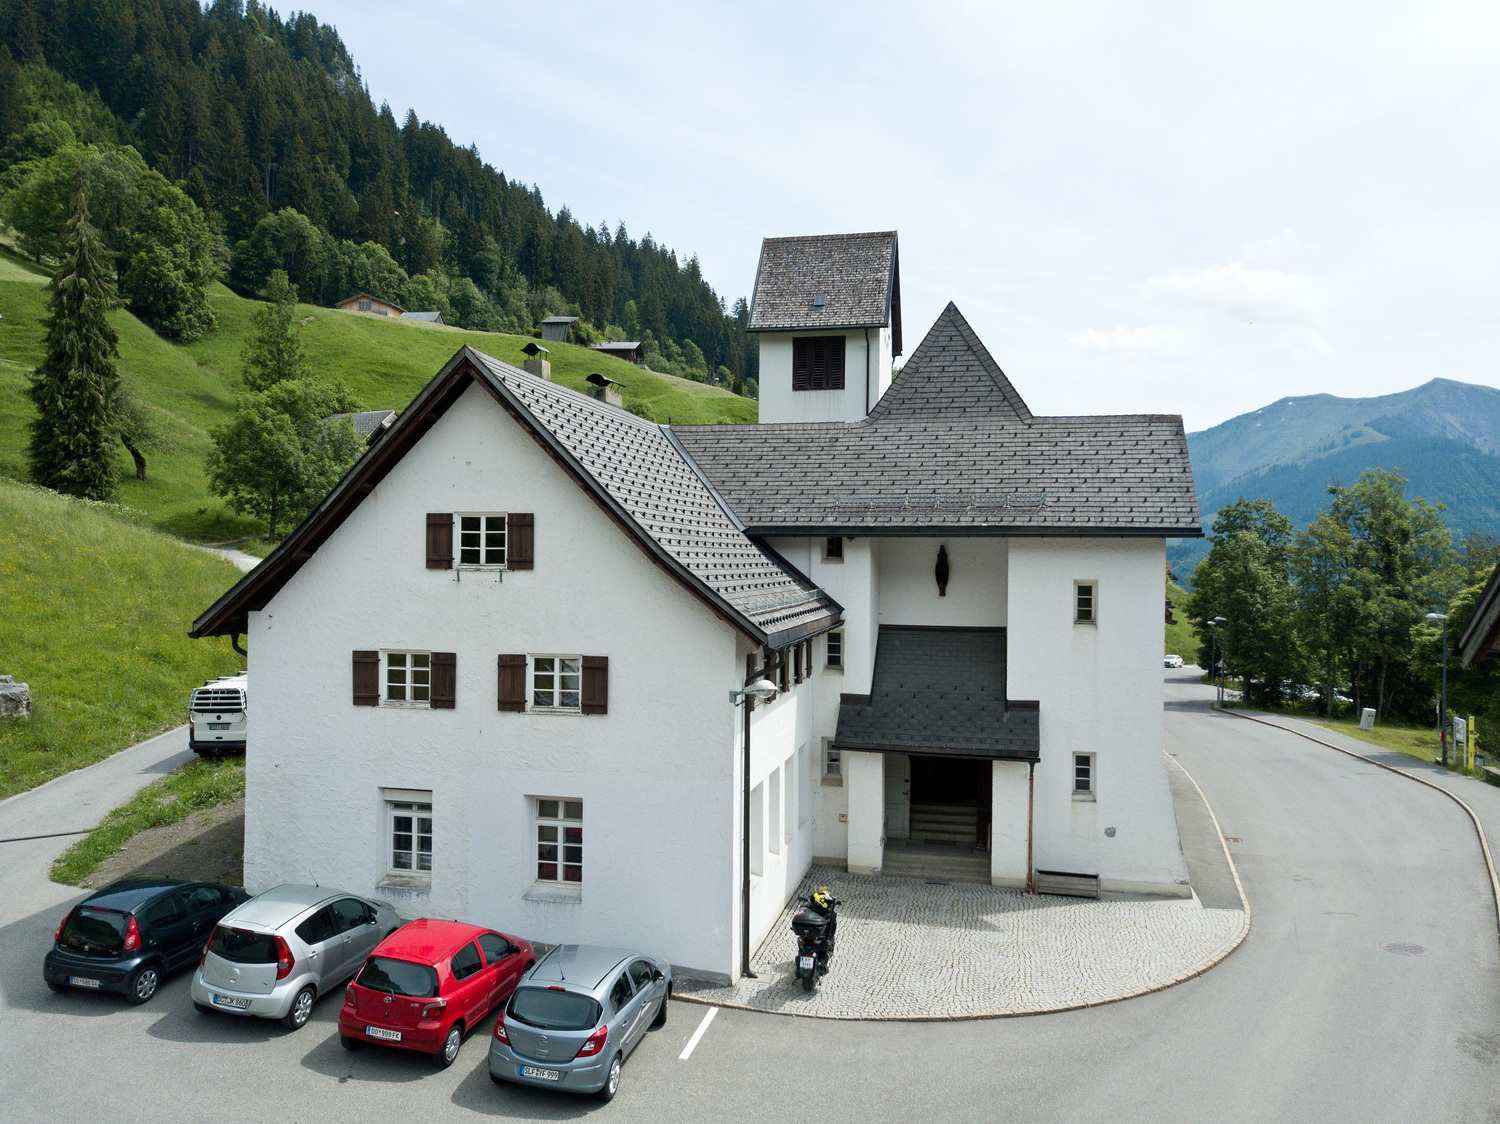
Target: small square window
{"points": [[408, 678], [559, 840], [556, 682], [1083, 775], [1085, 603], [835, 649], [481, 541], [833, 764], [833, 549]]}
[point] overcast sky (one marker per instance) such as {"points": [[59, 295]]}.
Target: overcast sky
{"points": [[1190, 208]]}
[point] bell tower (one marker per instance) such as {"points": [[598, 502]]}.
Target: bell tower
{"points": [[826, 311]]}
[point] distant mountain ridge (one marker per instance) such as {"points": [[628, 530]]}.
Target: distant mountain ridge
{"points": [[1443, 436]]}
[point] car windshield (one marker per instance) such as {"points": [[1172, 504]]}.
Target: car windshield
{"points": [[94, 930], [243, 946], [553, 1010], [399, 977]]}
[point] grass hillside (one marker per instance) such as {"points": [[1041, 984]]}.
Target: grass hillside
{"points": [[192, 387], [1180, 638], [94, 614]]}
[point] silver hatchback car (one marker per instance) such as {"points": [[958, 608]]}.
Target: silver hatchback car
{"points": [[273, 956], [576, 1016]]}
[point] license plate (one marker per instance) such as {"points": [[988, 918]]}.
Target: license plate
{"points": [[381, 1032], [541, 1074], [218, 725], [231, 1001], [805, 962], [79, 981]]}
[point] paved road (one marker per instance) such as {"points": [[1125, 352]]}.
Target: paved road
{"points": [[1310, 1020]]}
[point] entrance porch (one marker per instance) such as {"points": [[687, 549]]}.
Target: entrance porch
{"points": [[937, 761]]}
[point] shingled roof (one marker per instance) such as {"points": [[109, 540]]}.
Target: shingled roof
{"points": [[941, 691], [857, 275], [952, 448], [630, 466]]}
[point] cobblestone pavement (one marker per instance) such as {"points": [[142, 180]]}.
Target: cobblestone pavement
{"points": [[909, 949]]}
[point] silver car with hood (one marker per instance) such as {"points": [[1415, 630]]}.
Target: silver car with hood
{"points": [[576, 1016], [273, 956]]}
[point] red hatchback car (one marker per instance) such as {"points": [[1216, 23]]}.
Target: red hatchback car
{"points": [[428, 984]]}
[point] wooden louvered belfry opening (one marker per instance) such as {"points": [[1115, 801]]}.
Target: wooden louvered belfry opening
{"points": [[818, 363]]}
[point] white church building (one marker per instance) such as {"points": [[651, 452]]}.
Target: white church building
{"points": [[498, 671]]}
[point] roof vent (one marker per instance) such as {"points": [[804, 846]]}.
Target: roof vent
{"points": [[820, 299]]}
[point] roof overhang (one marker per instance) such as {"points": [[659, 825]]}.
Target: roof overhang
{"points": [[229, 615], [1481, 635], [961, 530]]}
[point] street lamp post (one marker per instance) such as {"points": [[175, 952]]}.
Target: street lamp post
{"points": [[1443, 705], [1223, 656], [1213, 650]]}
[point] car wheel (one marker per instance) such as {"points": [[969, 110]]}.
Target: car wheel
{"points": [[661, 1012], [350, 1043], [301, 1011], [53, 985], [612, 1082], [143, 983], [497, 1079], [449, 1053], [202, 1008]]}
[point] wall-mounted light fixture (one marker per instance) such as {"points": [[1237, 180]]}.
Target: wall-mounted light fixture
{"points": [[940, 571]]}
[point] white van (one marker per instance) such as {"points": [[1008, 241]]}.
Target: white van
{"points": [[216, 716]]}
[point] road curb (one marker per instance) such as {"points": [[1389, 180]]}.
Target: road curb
{"points": [[1484, 843], [1197, 970]]}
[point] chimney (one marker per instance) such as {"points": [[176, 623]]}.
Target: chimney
{"points": [[535, 364], [606, 390]]}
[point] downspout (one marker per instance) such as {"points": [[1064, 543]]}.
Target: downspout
{"points": [[867, 372], [234, 642], [1030, 823], [769, 666]]}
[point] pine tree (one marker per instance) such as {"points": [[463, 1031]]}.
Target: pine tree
{"points": [[77, 383], [274, 353]]}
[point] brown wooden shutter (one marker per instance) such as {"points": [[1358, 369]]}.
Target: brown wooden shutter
{"points": [[782, 677], [800, 351], [520, 542], [440, 540], [444, 680], [835, 373], [596, 684], [366, 678], [511, 683], [797, 664]]}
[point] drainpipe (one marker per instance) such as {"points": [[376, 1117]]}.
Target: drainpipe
{"points": [[867, 372], [1030, 823], [767, 671], [234, 642]]}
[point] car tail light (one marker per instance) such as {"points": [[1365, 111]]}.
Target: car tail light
{"points": [[132, 936], [594, 1044], [61, 925], [349, 1000], [202, 960], [434, 1009], [284, 959], [500, 1035]]}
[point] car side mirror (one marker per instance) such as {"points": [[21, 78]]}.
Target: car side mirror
{"points": [[656, 974]]}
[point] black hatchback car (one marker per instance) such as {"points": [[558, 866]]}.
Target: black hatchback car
{"points": [[130, 935]]}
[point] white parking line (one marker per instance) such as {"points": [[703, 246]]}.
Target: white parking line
{"points": [[687, 1051]]}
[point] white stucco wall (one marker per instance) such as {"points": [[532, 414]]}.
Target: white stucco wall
{"points": [[780, 403], [657, 774], [976, 594], [1008, 796], [1100, 690]]}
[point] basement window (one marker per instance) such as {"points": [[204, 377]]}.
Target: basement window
{"points": [[408, 834]]}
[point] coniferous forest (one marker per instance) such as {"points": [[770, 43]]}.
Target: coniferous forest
{"points": [[264, 124]]}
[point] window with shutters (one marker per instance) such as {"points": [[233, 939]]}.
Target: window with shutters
{"points": [[559, 840], [481, 540], [818, 363], [408, 679], [364, 306], [557, 683]]}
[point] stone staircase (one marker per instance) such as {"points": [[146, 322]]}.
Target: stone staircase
{"points": [[941, 846]]}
